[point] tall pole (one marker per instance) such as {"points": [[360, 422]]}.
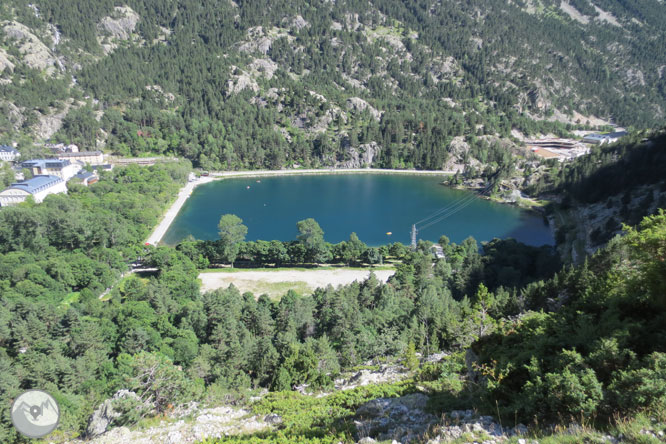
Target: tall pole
{"points": [[414, 231]]}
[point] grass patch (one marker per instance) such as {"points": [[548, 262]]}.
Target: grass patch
{"points": [[70, 299], [276, 269], [273, 290]]}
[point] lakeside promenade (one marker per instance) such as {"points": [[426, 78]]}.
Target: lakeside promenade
{"points": [[185, 192]]}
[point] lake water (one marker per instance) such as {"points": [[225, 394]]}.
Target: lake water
{"points": [[369, 204]]}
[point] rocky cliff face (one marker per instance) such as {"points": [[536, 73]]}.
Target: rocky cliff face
{"points": [[35, 53]]}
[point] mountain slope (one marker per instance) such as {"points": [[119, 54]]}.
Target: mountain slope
{"points": [[268, 84]]}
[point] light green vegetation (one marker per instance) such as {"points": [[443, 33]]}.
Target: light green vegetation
{"points": [[281, 269], [273, 289], [308, 419]]}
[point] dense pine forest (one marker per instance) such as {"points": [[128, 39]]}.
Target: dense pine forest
{"points": [[547, 342]]}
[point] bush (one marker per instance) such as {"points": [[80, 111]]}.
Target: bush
{"points": [[642, 388], [571, 391]]}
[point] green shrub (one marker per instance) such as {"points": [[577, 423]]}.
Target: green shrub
{"points": [[570, 391], [642, 388]]}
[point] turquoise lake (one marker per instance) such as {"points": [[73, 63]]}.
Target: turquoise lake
{"points": [[369, 204]]}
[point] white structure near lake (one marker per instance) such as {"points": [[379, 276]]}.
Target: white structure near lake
{"points": [[38, 187], [64, 169]]}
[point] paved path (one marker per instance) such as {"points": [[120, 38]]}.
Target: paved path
{"points": [[185, 192], [260, 173], [172, 212]]}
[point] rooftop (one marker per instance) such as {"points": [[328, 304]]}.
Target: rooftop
{"points": [[615, 135], [36, 184], [8, 149], [83, 174], [46, 163]]}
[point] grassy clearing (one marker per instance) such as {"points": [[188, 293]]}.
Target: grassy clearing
{"points": [[278, 269], [273, 290], [70, 299]]}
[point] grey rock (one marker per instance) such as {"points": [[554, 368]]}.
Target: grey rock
{"points": [[35, 53], [104, 415], [174, 437], [5, 63], [13, 114], [48, 124], [403, 418], [360, 157], [121, 24], [263, 67], [520, 429], [296, 23], [359, 105], [273, 419]]}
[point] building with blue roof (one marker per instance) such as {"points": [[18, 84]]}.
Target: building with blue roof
{"points": [[86, 177], [38, 187], [62, 168]]}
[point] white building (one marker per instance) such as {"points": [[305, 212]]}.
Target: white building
{"points": [[64, 169], [600, 139], [8, 154], [38, 187]]}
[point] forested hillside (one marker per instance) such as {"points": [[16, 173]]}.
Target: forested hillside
{"points": [[268, 84], [542, 345], [595, 194]]}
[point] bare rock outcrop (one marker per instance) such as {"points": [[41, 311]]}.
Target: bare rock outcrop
{"points": [[47, 125], [5, 63], [35, 53], [466, 424], [190, 425], [240, 81], [403, 419], [13, 113], [385, 374], [121, 24], [296, 23], [263, 67], [105, 414], [361, 157], [261, 40], [359, 105], [458, 150]]}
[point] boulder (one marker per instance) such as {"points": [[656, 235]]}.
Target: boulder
{"points": [[273, 419], [105, 414]]}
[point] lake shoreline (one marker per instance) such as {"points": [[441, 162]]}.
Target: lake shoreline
{"points": [[170, 215], [160, 232]]}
